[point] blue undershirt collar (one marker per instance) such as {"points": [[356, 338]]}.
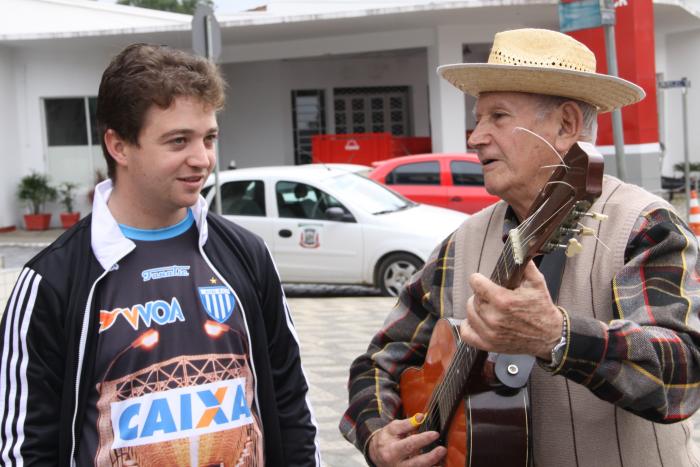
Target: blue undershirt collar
{"points": [[152, 235]]}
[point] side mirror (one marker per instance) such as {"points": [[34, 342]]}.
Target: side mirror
{"points": [[336, 213]]}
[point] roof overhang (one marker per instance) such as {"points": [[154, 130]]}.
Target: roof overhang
{"points": [[481, 16]]}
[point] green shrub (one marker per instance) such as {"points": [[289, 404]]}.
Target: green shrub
{"points": [[66, 195], [35, 190]]}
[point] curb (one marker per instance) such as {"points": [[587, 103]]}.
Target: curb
{"points": [[26, 244]]}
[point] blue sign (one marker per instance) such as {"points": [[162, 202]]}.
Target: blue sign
{"points": [[584, 14]]}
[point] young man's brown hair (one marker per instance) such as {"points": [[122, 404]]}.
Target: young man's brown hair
{"points": [[142, 75]]}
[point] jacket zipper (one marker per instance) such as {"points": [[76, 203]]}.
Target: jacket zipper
{"points": [[245, 322], [81, 353]]}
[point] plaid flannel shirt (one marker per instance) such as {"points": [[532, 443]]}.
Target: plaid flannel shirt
{"points": [[647, 357]]}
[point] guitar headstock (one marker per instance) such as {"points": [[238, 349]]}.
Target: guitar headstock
{"points": [[554, 215]]}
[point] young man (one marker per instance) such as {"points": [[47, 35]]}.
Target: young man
{"points": [[154, 332], [618, 351]]}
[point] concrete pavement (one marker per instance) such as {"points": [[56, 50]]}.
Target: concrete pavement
{"points": [[334, 325], [333, 332], [18, 246]]}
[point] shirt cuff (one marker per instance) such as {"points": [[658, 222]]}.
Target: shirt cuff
{"points": [[586, 345], [559, 350]]}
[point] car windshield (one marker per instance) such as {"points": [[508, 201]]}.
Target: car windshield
{"points": [[368, 194]]}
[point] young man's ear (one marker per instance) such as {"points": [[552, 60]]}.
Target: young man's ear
{"points": [[117, 147], [570, 126]]}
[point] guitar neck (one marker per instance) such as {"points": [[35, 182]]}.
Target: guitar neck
{"points": [[449, 392], [553, 217], [451, 389], [508, 271]]}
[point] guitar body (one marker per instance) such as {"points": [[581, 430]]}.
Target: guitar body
{"points": [[489, 427]]}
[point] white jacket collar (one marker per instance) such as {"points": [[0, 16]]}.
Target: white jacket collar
{"points": [[109, 243]]}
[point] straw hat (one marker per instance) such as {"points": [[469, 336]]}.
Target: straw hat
{"points": [[543, 62]]}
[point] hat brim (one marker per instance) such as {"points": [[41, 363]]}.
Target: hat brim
{"points": [[603, 91]]}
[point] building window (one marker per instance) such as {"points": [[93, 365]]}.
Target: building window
{"points": [[372, 110], [309, 119], [65, 122], [73, 147], [419, 173]]}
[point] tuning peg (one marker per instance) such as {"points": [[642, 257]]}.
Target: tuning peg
{"points": [[583, 231], [597, 216], [573, 248]]}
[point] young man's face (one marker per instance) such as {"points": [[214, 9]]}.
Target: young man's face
{"points": [[175, 154], [513, 160]]}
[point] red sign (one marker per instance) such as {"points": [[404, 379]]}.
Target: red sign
{"points": [[634, 37]]}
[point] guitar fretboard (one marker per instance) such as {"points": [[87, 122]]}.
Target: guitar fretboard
{"points": [[449, 392]]}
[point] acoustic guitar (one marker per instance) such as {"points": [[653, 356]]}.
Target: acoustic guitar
{"points": [[482, 421]]}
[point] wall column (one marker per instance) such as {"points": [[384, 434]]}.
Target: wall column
{"points": [[447, 109], [10, 211]]}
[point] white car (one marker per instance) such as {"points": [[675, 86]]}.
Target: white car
{"points": [[324, 224]]}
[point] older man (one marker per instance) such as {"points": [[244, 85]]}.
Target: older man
{"points": [[617, 349]]}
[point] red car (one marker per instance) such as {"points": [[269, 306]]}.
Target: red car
{"points": [[453, 181]]}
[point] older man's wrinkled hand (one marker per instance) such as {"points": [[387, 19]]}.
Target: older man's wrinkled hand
{"points": [[399, 444]]}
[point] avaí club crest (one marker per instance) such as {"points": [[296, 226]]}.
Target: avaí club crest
{"points": [[218, 302]]}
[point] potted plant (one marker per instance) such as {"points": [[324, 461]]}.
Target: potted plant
{"points": [[35, 190], [99, 177], [66, 195]]}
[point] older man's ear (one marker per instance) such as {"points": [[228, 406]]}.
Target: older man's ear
{"points": [[570, 126]]}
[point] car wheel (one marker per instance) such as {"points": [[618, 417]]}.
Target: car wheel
{"points": [[395, 271]]}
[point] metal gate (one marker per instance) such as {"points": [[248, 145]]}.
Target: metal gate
{"points": [[372, 110]]}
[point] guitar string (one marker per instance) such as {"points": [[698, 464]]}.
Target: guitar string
{"points": [[554, 214], [554, 166], [508, 252], [464, 350], [446, 385], [596, 237], [534, 232], [526, 224]]}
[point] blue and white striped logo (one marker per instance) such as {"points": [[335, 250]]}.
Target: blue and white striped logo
{"points": [[218, 301]]}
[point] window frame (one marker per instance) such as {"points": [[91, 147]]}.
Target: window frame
{"points": [[93, 148], [321, 197], [479, 172], [320, 94], [390, 176]]}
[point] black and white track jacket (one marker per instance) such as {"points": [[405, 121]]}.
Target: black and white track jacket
{"points": [[48, 337]]}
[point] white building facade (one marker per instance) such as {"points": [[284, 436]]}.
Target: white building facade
{"points": [[349, 67]]}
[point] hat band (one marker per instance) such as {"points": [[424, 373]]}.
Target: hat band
{"points": [[501, 57]]}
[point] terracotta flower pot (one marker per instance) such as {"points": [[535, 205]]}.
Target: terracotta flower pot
{"points": [[37, 221], [69, 219]]}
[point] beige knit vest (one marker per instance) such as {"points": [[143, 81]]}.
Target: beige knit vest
{"points": [[571, 426]]}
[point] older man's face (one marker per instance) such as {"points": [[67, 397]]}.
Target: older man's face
{"points": [[514, 160]]}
